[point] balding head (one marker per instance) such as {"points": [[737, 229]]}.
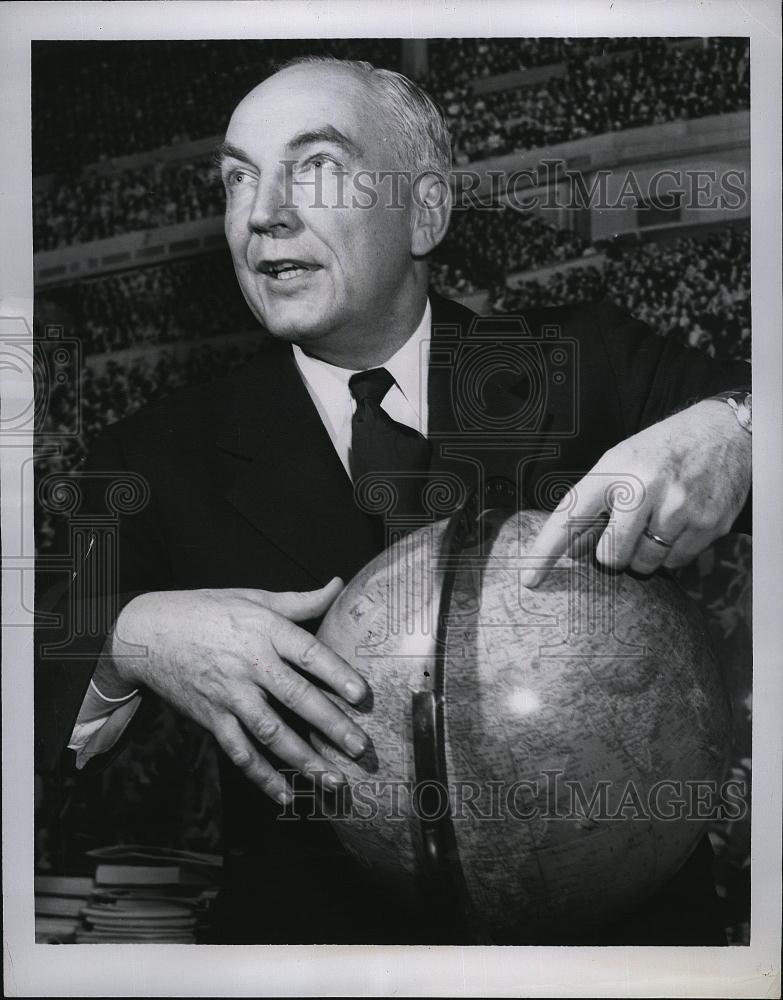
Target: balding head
{"points": [[413, 121], [329, 214]]}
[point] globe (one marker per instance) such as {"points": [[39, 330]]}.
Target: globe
{"points": [[545, 756]]}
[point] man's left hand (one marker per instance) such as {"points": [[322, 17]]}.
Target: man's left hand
{"points": [[658, 498]]}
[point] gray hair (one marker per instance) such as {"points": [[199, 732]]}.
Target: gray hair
{"points": [[420, 130]]}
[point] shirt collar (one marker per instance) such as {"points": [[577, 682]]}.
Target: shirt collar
{"points": [[408, 367]]}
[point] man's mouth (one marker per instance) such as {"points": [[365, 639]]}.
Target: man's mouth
{"points": [[286, 269]]}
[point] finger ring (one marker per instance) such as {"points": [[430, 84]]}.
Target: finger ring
{"points": [[657, 539]]}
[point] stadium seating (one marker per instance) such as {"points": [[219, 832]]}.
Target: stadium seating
{"points": [[695, 290], [97, 101], [93, 206], [180, 300], [653, 83]]}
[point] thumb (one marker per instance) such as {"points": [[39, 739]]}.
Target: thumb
{"points": [[301, 605]]}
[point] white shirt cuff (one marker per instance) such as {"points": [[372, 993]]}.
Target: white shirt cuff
{"points": [[100, 722]]}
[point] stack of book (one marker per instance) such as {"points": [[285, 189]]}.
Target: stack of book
{"points": [[152, 894], [144, 894], [59, 902]]}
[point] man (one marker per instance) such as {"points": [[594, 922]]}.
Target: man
{"points": [[248, 521]]}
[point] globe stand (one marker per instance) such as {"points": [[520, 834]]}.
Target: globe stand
{"points": [[441, 881]]}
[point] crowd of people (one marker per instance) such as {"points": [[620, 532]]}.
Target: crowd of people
{"points": [[180, 300], [96, 205], [94, 101], [653, 83], [461, 61], [695, 290], [483, 245], [99, 100], [566, 287]]}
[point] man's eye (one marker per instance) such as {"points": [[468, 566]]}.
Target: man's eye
{"points": [[236, 177], [319, 160]]}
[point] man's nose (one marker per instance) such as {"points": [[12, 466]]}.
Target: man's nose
{"points": [[273, 210]]}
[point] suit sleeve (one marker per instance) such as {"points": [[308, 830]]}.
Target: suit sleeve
{"points": [[655, 377], [108, 550]]}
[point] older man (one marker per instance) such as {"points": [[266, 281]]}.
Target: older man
{"points": [[336, 192]]}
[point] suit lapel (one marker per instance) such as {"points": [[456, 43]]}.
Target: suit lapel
{"points": [[293, 485], [449, 465], [465, 445]]}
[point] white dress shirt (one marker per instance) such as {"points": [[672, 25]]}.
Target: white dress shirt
{"points": [[101, 720], [405, 402]]}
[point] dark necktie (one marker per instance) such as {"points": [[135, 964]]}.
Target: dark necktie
{"points": [[382, 446]]}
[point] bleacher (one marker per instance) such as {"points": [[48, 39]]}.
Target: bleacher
{"points": [[588, 93]]}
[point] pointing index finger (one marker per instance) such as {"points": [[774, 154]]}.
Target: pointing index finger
{"points": [[583, 501]]}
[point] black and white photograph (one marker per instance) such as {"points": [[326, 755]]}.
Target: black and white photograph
{"points": [[379, 588]]}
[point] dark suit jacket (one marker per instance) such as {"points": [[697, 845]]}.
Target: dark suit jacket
{"points": [[237, 485]]}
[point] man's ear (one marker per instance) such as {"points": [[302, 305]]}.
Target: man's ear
{"points": [[430, 212]]}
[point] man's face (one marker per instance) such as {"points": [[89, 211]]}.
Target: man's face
{"points": [[312, 271]]}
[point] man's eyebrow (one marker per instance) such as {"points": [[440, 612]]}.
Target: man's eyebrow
{"points": [[225, 149], [325, 133]]}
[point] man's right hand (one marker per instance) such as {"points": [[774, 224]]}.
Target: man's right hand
{"points": [[216, 655]]}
